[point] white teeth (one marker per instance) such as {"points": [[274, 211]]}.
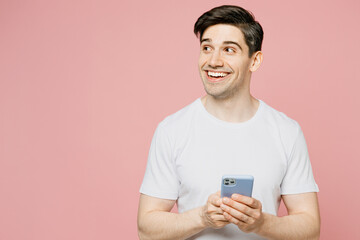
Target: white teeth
{"points": [[217, 74]]}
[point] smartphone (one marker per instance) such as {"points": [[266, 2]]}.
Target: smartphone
{"points": [[241, 184]]}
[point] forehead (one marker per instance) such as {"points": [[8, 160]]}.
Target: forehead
{"points": [[220, 33]]}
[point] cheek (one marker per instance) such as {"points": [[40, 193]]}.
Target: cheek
{"points": [[201, 64], [202, 60], [239, 67]]}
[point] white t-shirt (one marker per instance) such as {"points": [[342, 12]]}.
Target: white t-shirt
{"points": [[191, 150]]}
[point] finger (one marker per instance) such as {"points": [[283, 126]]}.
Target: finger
{"points": [[242, 226], [219, 210], [215, 209], [219, 217], [236, 214], [215, 200], [238, 206], [251, 202], [231, 219]]}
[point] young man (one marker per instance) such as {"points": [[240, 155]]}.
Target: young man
{"points": [[228, 131]]}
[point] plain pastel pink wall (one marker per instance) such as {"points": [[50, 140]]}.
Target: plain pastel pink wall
{"points": [[83, 85]]}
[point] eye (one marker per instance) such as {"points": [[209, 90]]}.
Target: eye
{"points": [[206, 48], [229, 50]]}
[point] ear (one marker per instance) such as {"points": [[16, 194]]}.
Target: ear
{"points": [[257, 60]]}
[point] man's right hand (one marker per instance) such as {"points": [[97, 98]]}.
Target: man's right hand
{"points": [[212, 214]]}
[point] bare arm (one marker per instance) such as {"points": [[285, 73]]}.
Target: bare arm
{"points": [[155, 221], [302, 221]]}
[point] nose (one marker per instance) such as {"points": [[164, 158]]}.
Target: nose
{"points": [[215, 60]]}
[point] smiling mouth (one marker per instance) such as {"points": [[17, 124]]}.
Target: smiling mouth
{"points": [[216, 76]]}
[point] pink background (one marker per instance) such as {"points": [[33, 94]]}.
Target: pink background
{"points": [[83, 85]]}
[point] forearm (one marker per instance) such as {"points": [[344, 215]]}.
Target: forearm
{"points": [[166, 225], [291, 227]]}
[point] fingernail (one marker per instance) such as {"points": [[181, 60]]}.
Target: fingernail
{"points": [[225, 200]]}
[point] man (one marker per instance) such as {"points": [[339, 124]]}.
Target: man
{"points": [[228, 131]]}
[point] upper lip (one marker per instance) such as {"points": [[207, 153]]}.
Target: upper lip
{"points": [[223, 72], [216, 71]]}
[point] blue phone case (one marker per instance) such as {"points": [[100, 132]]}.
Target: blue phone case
{"points": [[241, 184]]}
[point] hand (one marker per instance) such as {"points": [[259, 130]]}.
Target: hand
{"points": [[243, 211], [211, 213]]}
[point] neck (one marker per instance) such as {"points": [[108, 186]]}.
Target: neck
{"points": [[235, 109]]}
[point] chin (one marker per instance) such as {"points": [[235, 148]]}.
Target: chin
{"points": [[217, 94]]}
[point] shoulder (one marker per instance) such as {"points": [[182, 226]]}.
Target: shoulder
{"points": [[181, 120], [280, 119], [282, 126]]}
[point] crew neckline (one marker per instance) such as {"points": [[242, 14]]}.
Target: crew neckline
{"points": [[230, 124]]}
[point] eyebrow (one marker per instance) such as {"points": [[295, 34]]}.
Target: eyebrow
{"points": [[231, 42], [225, 42]]}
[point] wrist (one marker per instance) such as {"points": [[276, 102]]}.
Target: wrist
{"points": [[260, 230], [202, 218]]}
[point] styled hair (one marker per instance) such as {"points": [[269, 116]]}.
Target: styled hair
{"points": [[236, 16]]}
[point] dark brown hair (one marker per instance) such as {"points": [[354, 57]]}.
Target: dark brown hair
{"points": [[236, 16]]}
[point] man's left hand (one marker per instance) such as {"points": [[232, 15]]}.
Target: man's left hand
{"points": [[243, 211]]}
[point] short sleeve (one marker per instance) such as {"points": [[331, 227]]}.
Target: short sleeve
{"points": [[160, 179], [299, 176]]}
